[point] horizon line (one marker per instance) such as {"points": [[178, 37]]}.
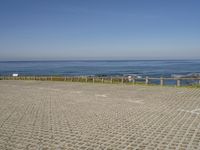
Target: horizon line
{"points": [[124, 59]]}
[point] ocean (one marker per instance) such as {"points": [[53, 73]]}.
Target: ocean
{"points": [[151, 68]]}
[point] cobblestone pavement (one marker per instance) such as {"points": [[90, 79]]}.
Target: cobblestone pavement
{"points": [[58, 115]]}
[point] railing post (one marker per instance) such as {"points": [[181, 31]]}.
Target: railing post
{"points": [[178, 82], [147, 80], [133, 80], [161, 81]]}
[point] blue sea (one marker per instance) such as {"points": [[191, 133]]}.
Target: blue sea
{"points": [[151, 68]]}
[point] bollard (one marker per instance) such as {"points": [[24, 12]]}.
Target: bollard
{"points": [[122, 80], [178, 83], [161, 81], [147, 80], [102, 80], [86, 79], [111, 80], [93, 79]]}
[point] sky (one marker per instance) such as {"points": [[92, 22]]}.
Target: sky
{"points": [[99, 29]]}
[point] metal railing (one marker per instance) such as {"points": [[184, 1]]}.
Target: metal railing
{"points": [[123, 80]]}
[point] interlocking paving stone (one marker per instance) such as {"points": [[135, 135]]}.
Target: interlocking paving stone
{"points": [[61, 115]]}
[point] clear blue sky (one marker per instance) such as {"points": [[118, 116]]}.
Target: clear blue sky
{"points": [[103, 29]]}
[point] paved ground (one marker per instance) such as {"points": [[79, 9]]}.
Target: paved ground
{"points": [[58, 115]]}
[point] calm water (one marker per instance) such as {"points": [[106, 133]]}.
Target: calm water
{"points": [[152, 68]]}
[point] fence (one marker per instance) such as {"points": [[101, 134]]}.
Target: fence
{"points": [[123, 80]]}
